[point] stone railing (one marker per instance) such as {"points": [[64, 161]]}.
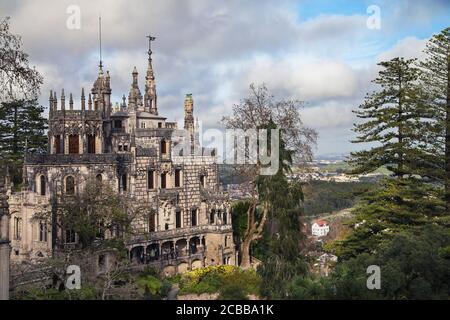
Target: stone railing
{"points": [[76, 158], [179, 233]]}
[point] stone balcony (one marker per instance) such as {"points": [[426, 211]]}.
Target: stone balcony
{"points": [[179, 233], [57, 159]]}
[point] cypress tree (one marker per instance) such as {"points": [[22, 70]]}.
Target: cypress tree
{"points": [[21, 122]]}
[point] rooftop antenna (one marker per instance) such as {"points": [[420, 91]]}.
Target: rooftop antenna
{"points": [[150, 39], [100, 39]]}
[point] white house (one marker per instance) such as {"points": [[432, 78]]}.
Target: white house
{"points": [[320, 228]]}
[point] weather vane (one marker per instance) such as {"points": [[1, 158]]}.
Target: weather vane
{"points": [[150, 39]]}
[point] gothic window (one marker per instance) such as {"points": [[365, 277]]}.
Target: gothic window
{"points": [[123, 183], [125, 148], [163, 147], [194, 217], [120, 147], [70, 236], [143, 125], [178, 219], [42, 185], [211, 217], [57, 144], [17, 228], [42, 231], [202, 180], [151, 222], [74, 144], [226, 241], [225, 216], [70, 185], [150, 179], [91, 143], [99, 177], [163, 180], [177, 178]]}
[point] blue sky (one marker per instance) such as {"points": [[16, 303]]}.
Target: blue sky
{"points": [[318, 51]]}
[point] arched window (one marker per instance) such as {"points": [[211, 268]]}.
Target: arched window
{"points": [[163, 147], [123, 183], [91, 143], [177, 178], [193, 217], [99, 177], [70, 185], [178, 219], [74, 144], [202, 181], [42, 185], [163, 180]]}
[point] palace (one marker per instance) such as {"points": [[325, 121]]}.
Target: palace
{"points": [[132, 147]]}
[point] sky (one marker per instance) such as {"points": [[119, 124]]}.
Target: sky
{"points": [[324, 53]]}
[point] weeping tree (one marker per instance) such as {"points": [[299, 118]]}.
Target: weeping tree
{"points": [[255, 112], [18, 80]]}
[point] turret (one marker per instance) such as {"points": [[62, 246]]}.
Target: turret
{"points": [[70, 101], [63, 100], [50, 104], [189, 112], [83, 100], [135, 96]]}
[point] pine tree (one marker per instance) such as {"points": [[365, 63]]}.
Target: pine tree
{"points": [[391, 122], [21, 123], [435, 80], [396, 205]]}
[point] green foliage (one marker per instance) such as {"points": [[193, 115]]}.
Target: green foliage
{"points": [[283, 200], [327, 196], [412, 266], [229, 281], [85, 293], [396, 205], [21, 122], [392, 119], [239, 217], [153, 287]]}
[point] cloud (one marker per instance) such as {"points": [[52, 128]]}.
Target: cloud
{"points": [[216, 49]]}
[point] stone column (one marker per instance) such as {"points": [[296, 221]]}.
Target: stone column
{"points": [[5, 247]]}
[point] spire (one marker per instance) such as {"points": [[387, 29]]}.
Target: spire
{"points": [[50, 102], [83, 100], [150, 85], [100, 65], [55, 100], [70, 101], [90, 102], [135, 96], [124, 103], [63, 100], [189, 112]]}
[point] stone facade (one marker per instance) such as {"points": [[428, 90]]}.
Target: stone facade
{"points": [[132, 147], [4, 244]]}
